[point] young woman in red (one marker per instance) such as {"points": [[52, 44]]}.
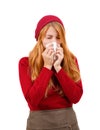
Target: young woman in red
{"points": [[50, 79]]}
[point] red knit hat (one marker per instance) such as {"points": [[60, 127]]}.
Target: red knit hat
{"points": [[45, 20]]}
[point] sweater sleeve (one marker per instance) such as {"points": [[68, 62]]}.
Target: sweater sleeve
{"points": [[72, 90], [33, 91]]}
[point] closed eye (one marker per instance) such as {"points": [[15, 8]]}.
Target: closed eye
{"points": [[49, 37]]}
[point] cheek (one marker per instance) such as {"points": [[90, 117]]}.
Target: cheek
{"points": [[45, 42]]}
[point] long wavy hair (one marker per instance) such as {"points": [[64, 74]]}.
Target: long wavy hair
{"points": [[68, 64]]}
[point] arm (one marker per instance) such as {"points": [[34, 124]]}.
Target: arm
{"points": [[33, 91], [72, 90]]}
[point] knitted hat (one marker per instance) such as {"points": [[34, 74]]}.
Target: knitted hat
{"points": [[45, 20]]}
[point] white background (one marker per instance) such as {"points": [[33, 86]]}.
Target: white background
{"points": [[18, 19]]}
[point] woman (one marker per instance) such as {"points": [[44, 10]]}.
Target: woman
{"points": [[50, 79]]}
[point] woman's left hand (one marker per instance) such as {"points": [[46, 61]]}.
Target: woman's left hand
{"points": [[58, 61]]}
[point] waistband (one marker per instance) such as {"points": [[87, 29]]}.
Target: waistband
{"points": [[52, 119]]}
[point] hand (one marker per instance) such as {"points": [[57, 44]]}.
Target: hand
{"points": [[59, 54], [48, 55]]}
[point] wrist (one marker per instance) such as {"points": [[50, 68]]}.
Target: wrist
{"points": [[57, 68], [48, 67]]}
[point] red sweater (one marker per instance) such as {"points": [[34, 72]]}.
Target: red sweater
{"points": [[34, 91]]}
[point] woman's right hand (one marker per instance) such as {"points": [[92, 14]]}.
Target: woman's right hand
{"points": [[48, 57]]}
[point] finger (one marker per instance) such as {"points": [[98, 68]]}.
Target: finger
{"points": [[60, 55], [48, 50], [53, 53], [58, 45], [59, 48], [59, 52]]}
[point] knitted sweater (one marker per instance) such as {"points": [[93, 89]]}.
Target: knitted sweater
{"points": [[34, 91]]}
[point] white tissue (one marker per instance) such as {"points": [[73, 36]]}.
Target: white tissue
{"points": [[54, 45]]}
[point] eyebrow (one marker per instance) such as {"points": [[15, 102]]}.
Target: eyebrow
{"points": [[52, 35], [48, 34]]}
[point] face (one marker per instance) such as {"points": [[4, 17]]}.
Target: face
{"points": [[51, 36]]}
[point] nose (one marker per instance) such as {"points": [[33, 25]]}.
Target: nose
{"points": [[54, 40]]}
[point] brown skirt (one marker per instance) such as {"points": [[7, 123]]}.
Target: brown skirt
{"points": [[57, 119]]}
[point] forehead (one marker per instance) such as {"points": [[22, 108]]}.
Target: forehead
{"points": [[51, 31]]}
